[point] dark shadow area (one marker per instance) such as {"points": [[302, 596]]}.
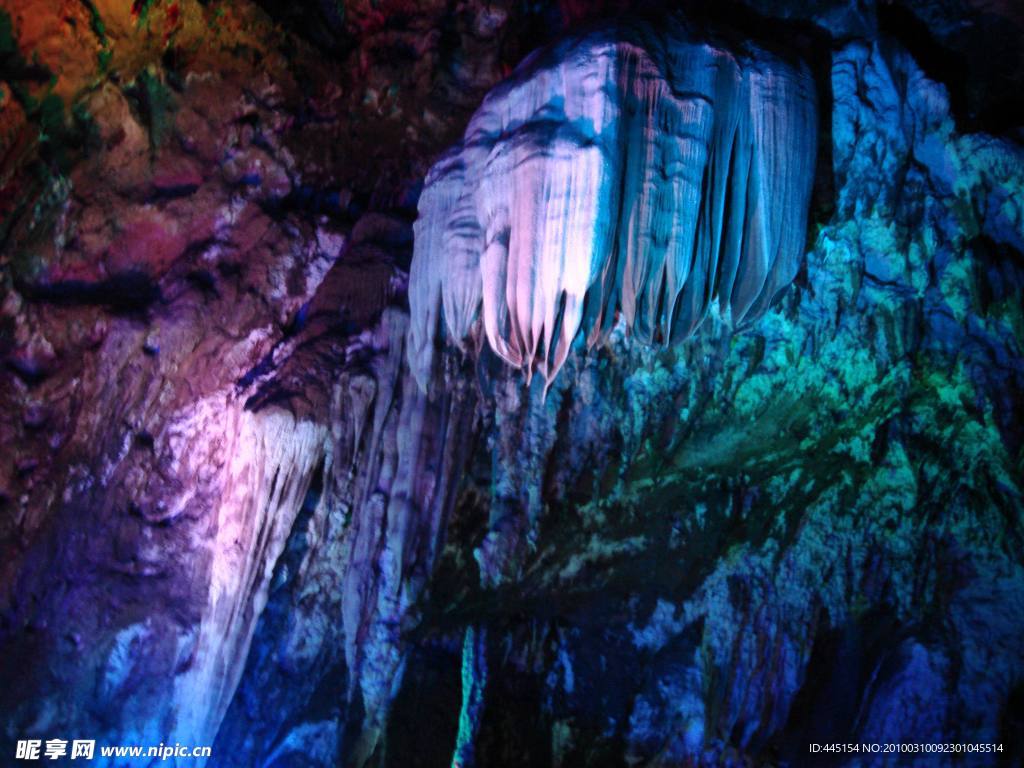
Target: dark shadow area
{"points": [[125, 292], [425, 719], [1011, 731], [980, 61], [842, 665]]}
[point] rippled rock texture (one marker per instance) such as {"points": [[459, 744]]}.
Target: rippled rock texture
{"points": [[232, 512], [626, 176]]}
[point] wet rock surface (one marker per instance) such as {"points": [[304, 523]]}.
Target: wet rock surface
{"points": [[230, 515]]}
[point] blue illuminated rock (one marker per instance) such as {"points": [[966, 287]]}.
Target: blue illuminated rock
{"points": [[628, 172]]}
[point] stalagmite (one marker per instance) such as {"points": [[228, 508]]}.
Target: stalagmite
{"points": [[629, 173], [272, 460]]}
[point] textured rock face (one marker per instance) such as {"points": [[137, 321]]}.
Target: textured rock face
{"points": [[793, 515], [181, 286], [196, 326], [229, 513], [140, 536], [626, 174]]}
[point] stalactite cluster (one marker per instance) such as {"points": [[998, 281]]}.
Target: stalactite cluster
{"points": [[630, 174]]}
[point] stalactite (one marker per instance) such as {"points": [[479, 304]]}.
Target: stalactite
{"points": [[629, 172], [272, 460], [416, 450]]}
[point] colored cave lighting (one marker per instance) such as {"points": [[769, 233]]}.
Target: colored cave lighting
{"points": [[633, 173]]}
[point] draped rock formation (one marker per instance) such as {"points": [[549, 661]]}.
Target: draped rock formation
{"points": [[229, 514], [633, 173]]}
